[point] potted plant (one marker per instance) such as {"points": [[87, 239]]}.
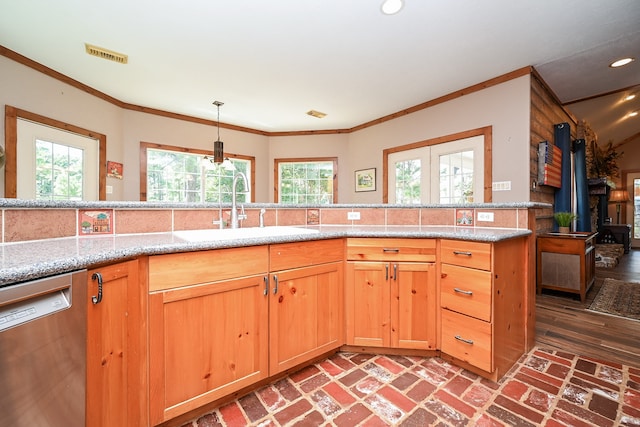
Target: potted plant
{"points": [[564, 220]]}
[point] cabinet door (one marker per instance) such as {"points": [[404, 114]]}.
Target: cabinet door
{"points": [[206, 341], [116, 383], [305, 314], [413, 305], [368, 304]]}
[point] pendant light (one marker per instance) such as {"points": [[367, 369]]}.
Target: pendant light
{"points": [[218, 155], [218, 152]]}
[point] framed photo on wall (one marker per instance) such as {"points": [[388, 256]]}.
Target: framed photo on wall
{"points": [[365, 180]]}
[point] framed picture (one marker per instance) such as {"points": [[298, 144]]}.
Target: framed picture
{"points": [[366, 180], [114, 170]]}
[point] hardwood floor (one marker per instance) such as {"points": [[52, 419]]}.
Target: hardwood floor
{"points": [[563, 323]]}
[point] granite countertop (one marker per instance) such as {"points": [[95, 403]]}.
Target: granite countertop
{"points": [[36, 259], [120, 204]]}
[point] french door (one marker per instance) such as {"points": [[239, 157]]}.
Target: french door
{"points": [[632, 185], [56, 164], [446, 173]]}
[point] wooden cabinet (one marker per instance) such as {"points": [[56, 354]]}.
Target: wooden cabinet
{"points": [[305, 303], [220, 322], [391, 293], [483, 304], [566, 262], [116, 346], [208, 327], [616, 233]]}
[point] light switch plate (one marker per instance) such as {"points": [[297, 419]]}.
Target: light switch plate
{"points": [[353, 216]]}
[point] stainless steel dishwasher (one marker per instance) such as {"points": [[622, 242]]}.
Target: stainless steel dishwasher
{"points": [[43, 352]]}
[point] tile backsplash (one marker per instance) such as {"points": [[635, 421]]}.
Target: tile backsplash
{"points": [[36, 223]]}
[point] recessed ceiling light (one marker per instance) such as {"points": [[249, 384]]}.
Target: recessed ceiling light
{"points": [[633, 114], [621, 62], [391, 7], [629, 97]]}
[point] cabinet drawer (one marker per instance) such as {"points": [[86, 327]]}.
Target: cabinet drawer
{"points": [[383, 249], [466, 254], [286, 256], [466, 290], [467, 339], [190, 268]]}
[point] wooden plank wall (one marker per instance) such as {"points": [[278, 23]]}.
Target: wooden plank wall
{"points": [[546, 111]]}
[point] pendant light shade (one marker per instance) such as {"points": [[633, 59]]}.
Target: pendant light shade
{"points": [[218, 152], [218, 145]]}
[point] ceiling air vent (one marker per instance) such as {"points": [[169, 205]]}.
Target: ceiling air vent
{"points": [[107, 54], [315, 113]]}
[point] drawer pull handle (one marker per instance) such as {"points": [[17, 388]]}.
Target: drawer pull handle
{"points": [[465, 253], [386, 272], [466, 341], [394, 250], [275, 280], [266, 285], [462, 291], [395, 272]]}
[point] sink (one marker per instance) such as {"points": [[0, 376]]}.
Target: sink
{"points": [[241, 233]]}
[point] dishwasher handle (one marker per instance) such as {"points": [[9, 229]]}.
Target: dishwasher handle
{"points": [[29, 290], [29, 301]]}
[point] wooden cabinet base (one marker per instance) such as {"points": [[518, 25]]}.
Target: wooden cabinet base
{"points": [[389, 351], [493, 376], [211, 406]]}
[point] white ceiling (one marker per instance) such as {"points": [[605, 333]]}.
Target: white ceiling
{"points": [[272, 61]]}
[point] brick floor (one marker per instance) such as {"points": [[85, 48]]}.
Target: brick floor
{"points": [[545, 388]]}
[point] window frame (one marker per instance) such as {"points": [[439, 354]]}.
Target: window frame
{"points": [[486, 132], [276, 174], [144, 146]]}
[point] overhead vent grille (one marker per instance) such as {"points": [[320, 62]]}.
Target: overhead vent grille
{"points": [[315, 113], [107, 54]]}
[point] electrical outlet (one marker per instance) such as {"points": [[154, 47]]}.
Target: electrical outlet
{"points": [[109, 189], [485, 216], [353, 216]]}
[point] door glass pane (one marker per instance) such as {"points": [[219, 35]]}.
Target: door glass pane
{"points": [[636, 208], [59, 171], [456, 177], [407, 183]]}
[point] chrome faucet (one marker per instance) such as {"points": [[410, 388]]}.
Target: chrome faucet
{"points": [[234, 209]]}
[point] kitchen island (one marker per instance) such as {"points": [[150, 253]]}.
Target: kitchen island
{"points": [[459, 292]]}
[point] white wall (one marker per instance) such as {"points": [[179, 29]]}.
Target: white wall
{"points": [[335, 145], [161, 130], [505, 107], [27, 89]]}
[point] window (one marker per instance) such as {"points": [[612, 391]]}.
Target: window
{"points": [[176, 174], [306, 181], [447, 170]]}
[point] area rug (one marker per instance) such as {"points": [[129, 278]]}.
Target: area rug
{"points": [[618, 298]]}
